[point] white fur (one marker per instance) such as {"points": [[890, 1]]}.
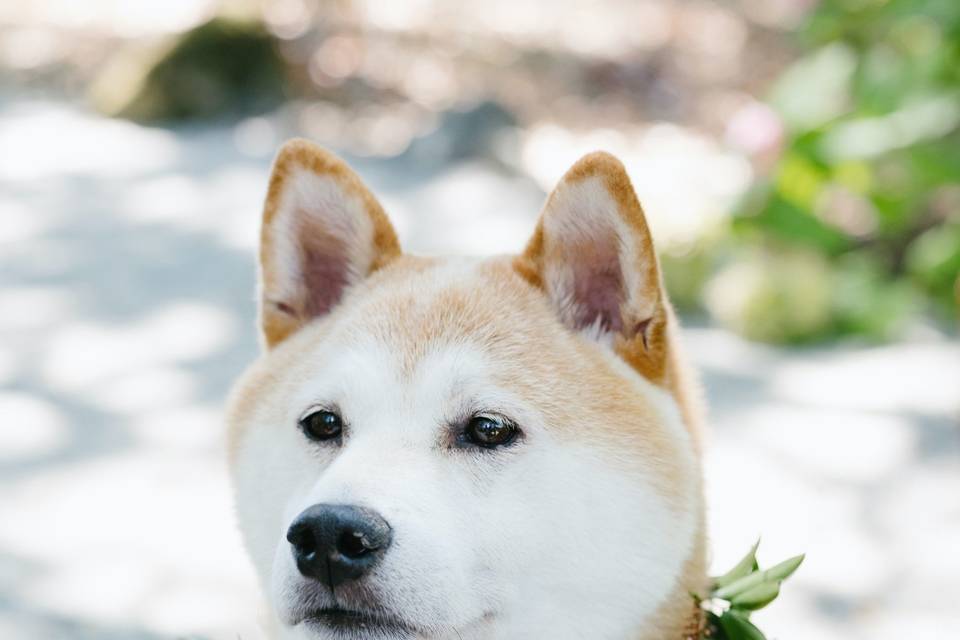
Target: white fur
{"points": [[551, 539]]}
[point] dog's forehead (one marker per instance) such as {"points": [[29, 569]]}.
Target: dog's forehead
{"points": [[453, 319], [422, 306], [428, 335]]}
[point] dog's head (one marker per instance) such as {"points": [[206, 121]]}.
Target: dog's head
{"points": [[462, 448]]}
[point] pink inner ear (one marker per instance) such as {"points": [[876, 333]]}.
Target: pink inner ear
{"points": [[598, 287], [324, 267], [599, 296]]}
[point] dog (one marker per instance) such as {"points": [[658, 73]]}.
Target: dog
{"points": [[496, 448]]}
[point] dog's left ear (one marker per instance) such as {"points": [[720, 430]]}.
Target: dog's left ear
{"points": [[323, 232], [593, 256]]}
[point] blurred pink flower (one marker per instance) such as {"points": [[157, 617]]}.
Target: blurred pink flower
{"points": [[758, 131]]}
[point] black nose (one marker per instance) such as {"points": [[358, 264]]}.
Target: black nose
{"points": [[334, 543]]}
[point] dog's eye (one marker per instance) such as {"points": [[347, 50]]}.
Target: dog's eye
{"points": [[490, 431], [321, 425]]}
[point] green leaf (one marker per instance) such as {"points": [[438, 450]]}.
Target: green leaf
{"points": [[758, 597], [736, 626], [785, 569], [774, 574], [744, 567], [796, 225], [713, 629]]}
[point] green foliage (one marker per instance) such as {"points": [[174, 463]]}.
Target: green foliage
{"points": [[687, 268], [221, 67], [933, 260], [857, 228], [773, 296], [739, 592]]}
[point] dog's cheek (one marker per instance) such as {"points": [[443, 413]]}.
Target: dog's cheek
{"points": [[569, 520], [271, 472], [490, 525], [433, 538]]}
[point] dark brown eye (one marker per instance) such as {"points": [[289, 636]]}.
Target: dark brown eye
{"points": [[490, 431], [322, 425]]}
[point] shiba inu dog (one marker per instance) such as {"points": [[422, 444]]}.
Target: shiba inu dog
{"points": [[494, 448]]}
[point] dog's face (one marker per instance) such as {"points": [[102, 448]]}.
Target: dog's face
{"points": [[452, 448]]}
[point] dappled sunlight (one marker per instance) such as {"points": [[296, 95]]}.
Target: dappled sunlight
{"points": [[862, 447], [129, 18], [29, 308], [142, 390], [8, 365], [469, 210], [145, 530], [31, 426], [83, 355], [848, 455], [19, 224], [719, 351], [184, 426], [167, 198], [224, 204], [782, 508], [926, 574], [685, 181], [41, 140], [115, 500], [867, 380]]}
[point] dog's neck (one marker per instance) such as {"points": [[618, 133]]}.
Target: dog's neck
{"points": [[679, 616], [695, 624]]}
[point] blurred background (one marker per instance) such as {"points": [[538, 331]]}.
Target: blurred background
{"points": [[799, 161]]}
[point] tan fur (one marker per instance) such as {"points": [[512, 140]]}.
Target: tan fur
{"points": [[656, 356], [520, 330], [647, 358], [276, 322]]}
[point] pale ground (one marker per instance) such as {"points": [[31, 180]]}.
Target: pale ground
{"points": [[126, 309]]}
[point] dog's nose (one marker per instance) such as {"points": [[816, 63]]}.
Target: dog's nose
{"points": [[335, 543]]}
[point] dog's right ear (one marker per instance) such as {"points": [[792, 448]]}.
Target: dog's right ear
{"points": [[323, 232]]}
